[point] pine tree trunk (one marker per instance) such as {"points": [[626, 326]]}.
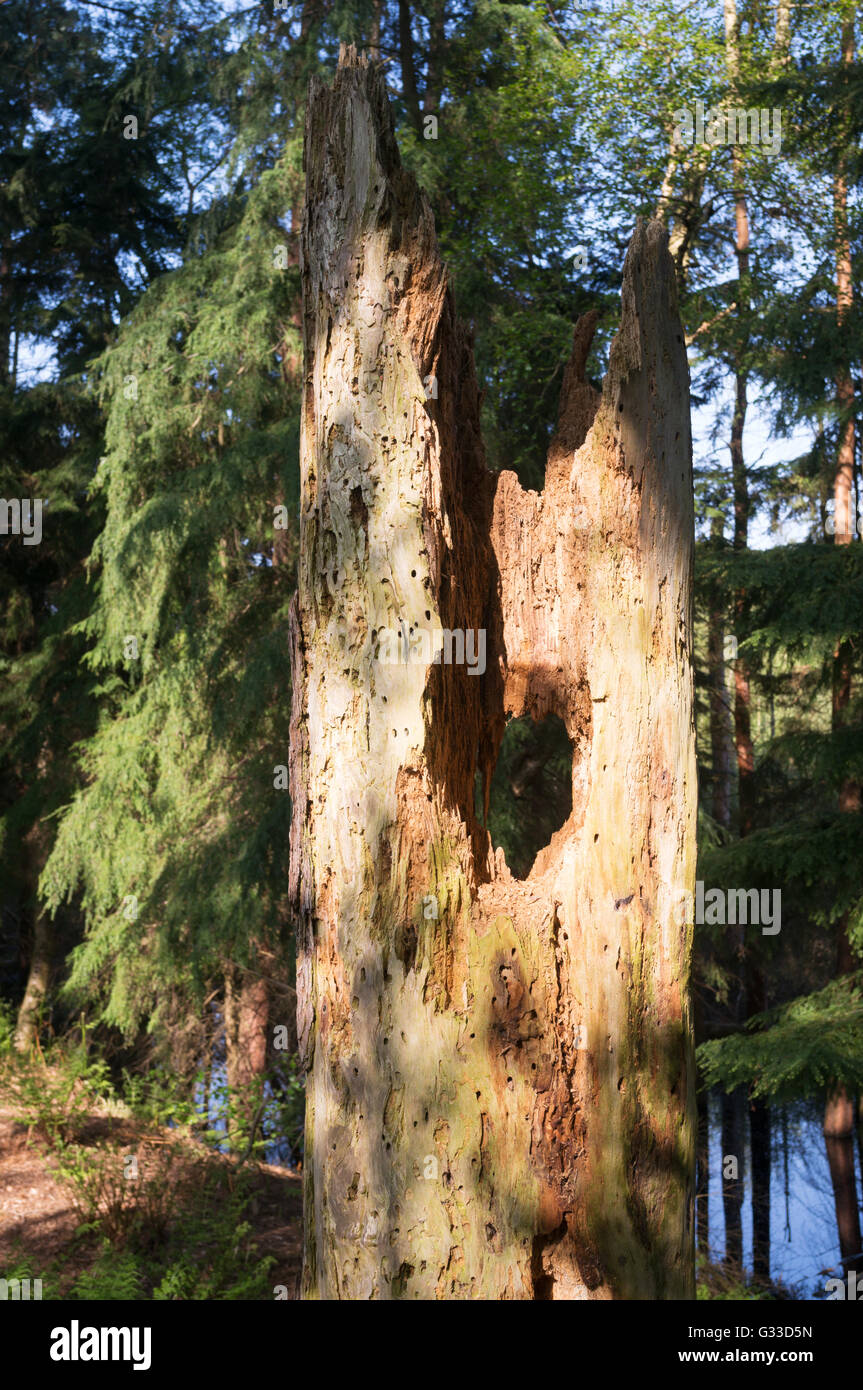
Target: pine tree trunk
{"points": [[732, 1179], [500, 1096], [759, 1146], [720, 723], [839, 1110], [247, 1009], [37, 844], [702, 1174], [839, 1130], [38, 980]]}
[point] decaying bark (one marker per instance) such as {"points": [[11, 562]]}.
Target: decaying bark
{"points": [[499, 1072]]}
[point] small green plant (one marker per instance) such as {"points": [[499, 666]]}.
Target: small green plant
{"points": [[116, 1275], [159, 1099], [7, 1026], [718, 1283], [54, 1095], [124, 1194]]}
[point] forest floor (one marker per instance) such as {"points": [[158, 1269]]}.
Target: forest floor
{"points": [[154, 1225]]}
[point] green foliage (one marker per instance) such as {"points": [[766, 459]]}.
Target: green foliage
{"points": [[55, 1097], [127, 1202], [193, 726], [7, 1028], [503, 176], [715, 1283], [136, 791], [795, 1050], [531, 790], [156, 1097], [115, 1276], [208, 1253]]}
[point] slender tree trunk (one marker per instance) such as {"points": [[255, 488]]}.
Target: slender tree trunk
{"points": [[38, 980], [6, 328], [375, 31], [843, 485], [860, 1132], [500, 1096], [37, 842], [759, 1144], [720, 720], [247, 1005], [839, 1132], [740, 484], [681, 207], [702, 1173], [406, 54], [732, 1117], [839, 1110], [732, 1178]]}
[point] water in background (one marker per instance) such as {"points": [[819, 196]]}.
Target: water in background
{"points": [[803, 1235]]}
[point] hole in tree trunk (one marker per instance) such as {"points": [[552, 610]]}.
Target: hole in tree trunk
{"points": [[531, 790]]}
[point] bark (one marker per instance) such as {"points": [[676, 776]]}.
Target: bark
{"points": [[839, 1134], [732, 1118], [247, 1008], [840, 1157], [860, 1131], [38, 981], [720, 722], [409, 77], [375, 31], [685, 209], [6, 329], [843, 486], [740, 484], [37, 847], [760, 1133], [839, 1110], [437, 49], [500, 1097], [782, 35]]}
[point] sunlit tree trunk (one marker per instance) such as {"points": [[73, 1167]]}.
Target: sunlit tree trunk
{"points": [[500, 1096], [38, 980], [839, 1111], [247, 1008], [39, 966], [760, 1142]]}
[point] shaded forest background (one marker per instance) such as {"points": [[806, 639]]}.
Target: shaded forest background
{"points": [[150, 198]]}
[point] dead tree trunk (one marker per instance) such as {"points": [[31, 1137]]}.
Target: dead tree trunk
{"points": [[500, 1097]]}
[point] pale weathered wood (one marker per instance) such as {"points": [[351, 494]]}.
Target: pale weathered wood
{"points": [[500, 1079]]}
